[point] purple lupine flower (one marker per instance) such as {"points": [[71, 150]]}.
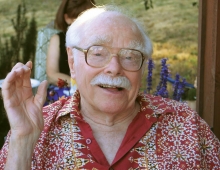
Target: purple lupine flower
{"points": [[162, 86], [181, 88], [178, 88], [163, 92], [175, 86], [149, 75]]}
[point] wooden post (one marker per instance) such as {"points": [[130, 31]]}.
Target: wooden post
{"points": [[208, 93]]}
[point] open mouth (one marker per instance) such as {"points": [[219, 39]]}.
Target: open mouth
{"points": [[105, 86]]}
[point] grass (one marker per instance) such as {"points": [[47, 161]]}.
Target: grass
{"points": [[171, 24]]}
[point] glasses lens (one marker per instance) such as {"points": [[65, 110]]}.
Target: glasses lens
{"points": [[130, 59], [97, 56]]}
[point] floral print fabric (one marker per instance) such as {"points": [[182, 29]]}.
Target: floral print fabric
{"points": [[165, 134]]}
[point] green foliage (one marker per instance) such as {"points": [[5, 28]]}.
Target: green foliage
{"points": [[29, 45], [148, 4], [5, 58], [19, 25], [189, 94], [21, 46]]}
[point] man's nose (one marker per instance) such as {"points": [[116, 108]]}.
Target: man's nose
{"points": [[114, 67]]}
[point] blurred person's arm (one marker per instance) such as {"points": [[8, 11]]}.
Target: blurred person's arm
{"points": [[52, 66]]}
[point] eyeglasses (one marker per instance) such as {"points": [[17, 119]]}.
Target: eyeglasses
{"points": [[99, 56]]}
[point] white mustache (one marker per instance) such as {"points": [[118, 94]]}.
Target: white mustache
{"points": [[120, 81]]}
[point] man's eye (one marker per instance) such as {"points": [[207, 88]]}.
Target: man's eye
{"points": [[129, 58], [97, 54]]}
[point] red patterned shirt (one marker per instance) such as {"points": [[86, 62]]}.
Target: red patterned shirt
{"points": [[164, 135]]}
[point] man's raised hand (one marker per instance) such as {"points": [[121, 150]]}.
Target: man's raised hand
{"points": [[24, 110]]}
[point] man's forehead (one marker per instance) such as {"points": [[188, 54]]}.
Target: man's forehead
{"points": [[108, 39]]}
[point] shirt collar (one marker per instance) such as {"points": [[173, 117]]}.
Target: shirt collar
{"points": [[156, 104], [70, 106]]}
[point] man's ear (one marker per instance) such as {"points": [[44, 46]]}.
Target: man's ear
{"points": [[71, 61]]}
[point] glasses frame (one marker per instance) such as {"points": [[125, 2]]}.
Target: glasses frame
{"points": [[85, 51]]}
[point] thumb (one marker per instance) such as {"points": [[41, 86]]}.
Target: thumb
{"points": [[41, 93]]}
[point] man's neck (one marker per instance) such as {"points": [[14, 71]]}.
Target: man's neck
{"points": [[110, 120], [109, 131]]}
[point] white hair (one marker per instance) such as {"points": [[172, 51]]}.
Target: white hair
{"points": [[82, 23]]}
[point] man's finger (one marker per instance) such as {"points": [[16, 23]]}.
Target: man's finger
{"points": [[29, 64], [41, 94], [9, 80], [17, 66], [18, 77]]}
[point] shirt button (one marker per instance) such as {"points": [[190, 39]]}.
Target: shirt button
{"points": [[88, 141], [111, 168]]}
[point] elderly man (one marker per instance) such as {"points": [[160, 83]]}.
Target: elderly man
{"points": [[106, 124]]}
